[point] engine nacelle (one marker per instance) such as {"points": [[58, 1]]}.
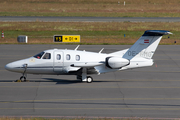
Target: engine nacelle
{"points": [[116, 62]]}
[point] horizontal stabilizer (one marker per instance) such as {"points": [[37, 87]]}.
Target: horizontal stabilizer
{"points": [[156, 33]]}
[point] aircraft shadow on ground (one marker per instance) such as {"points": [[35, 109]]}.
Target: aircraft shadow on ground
{"points": [[61, 81], [66, 81]]}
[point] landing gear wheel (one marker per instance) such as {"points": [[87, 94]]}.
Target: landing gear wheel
{"points": [[22, 78], [89, 79]]}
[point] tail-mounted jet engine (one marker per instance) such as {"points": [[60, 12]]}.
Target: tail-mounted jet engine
{"points": [[116, 62]]}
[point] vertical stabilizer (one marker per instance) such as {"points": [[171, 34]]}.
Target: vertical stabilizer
{"points": [[146, 45]]}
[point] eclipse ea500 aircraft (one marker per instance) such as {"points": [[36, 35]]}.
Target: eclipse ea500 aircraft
{"points": [[82, 63]]}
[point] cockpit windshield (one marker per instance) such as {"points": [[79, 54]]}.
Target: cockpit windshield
{"points": [[38, 56]]}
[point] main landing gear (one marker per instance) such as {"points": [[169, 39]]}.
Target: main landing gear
{"points": [[88, 79], [84, 77], [23, 77]]}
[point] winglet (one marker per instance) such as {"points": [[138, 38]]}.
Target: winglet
{"points": [[77, 47]]}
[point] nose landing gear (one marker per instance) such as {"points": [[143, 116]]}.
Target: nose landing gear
{"points": [[23, 77]]}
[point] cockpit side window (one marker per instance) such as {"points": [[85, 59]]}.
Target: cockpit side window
{"points": [[47, 56], [38, 56]]}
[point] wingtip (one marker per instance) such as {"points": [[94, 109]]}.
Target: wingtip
{"points": [[169, 33]]}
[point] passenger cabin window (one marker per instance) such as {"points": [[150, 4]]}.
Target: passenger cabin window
{"points": [[77, 57], [47, 56], [58, 57], [38, 56], [68, 57]]}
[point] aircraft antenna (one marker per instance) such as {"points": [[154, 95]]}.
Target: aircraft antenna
{"points": [[77, 47], [101, 50]]}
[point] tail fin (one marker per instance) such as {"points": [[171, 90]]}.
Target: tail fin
{"points": [[146, 45]]}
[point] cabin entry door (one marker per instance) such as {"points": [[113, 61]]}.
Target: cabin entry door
{"points": [[58, 61]]}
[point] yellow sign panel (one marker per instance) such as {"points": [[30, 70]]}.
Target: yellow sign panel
{"points": [[66, 38], [71, 38]]}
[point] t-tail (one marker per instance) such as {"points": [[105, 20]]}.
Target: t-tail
{"points": [[146, 46]]}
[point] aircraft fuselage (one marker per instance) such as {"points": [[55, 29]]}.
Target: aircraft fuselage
{"points": [[58, 63]]}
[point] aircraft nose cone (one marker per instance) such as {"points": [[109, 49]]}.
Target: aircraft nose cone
{"points": [[16, 66], [9, 66]]}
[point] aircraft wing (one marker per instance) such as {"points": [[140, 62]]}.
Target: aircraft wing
{"points": [[86, 64], [89, 65]]}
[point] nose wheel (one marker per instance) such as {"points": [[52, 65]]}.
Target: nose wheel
{"points": [[23, 78]]}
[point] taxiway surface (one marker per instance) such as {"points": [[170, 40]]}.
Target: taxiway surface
{"points": [[87, 19], [145, 92]]}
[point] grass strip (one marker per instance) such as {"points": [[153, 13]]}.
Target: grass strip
{"points": [[91, 14], [90, 32], [103, 8]]}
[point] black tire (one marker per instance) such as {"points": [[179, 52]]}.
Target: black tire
{"points": [[89, 79], [22, 78]]}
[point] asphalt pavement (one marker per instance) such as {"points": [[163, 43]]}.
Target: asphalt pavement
{"points": [[151, 92], [87, 19]]}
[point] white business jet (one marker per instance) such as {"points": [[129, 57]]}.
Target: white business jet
{"points": [[82, 63]]}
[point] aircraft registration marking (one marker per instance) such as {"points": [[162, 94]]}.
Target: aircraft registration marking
{"points": [[142, 54]]}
